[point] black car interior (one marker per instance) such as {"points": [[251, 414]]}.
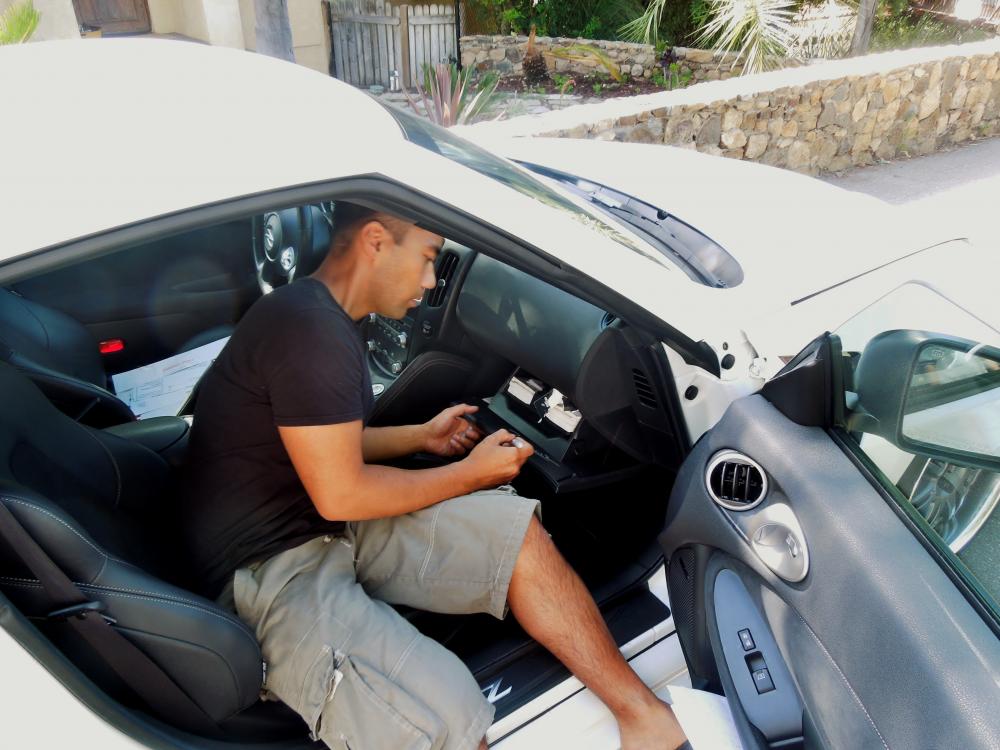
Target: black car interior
{"points": [[590, 392]]}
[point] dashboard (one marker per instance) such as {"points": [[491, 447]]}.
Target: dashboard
{"points": [[574, 381], [580, 385]]}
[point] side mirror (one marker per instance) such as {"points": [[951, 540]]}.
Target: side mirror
{"points": [[931, 394]]}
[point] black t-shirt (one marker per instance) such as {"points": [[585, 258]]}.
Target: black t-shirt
{"points": [[295, 359]]}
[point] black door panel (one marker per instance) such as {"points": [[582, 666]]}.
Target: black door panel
{"points": [[159, 296], [881, 647]]}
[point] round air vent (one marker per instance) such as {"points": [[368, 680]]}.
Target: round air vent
{"points": [[735, 481]]}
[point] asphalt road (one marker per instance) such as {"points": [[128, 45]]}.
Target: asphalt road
{"points": [[960, 187]]}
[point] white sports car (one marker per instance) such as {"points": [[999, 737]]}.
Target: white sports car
{"points": [[791, 532]]}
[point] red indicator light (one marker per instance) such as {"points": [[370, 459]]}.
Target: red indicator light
{"points": [[111, 346]]}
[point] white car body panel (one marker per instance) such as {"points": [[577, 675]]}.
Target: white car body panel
{"points": [[39, 712]]}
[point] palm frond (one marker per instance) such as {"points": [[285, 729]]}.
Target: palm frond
{"points": [[644, 28], [581, 52], [758, 31], [19, 22]]}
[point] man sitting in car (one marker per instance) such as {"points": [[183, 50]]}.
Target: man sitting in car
{"points": [[294, 521]]}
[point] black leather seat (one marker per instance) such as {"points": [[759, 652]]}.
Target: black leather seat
{"points": [[100, 507], [61, 356]]}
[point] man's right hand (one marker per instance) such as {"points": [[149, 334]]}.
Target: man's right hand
{"points": [[497, 459]]}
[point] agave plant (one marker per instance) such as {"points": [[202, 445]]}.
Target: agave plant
{"points": [[448, 97], [758, 31], [18, 22]]}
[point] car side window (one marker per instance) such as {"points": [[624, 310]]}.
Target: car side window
{"points": [[922, 398]]}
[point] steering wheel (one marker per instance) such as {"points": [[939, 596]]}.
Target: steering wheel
{"points": [[279, 240]]}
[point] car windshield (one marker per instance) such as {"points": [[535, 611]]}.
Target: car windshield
{"points": [[434, 138]]}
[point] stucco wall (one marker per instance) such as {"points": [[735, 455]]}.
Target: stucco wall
{"points": [[824, 117], [186, 17], [505, 55], [58, 19]]}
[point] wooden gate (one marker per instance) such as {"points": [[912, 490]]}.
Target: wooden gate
{"points": [[114, 16], [371, 38]]}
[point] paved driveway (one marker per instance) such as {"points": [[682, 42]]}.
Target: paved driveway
{"points": [[960, 187]]}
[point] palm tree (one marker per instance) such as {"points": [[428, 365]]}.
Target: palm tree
{"points": [[274, 32], [18, 22], [758, 31], [863, 31]]}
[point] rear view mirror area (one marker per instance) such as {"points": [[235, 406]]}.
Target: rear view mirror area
{"points": [[931, 394]]}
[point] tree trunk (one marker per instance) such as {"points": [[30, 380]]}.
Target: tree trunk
{"points": [[863, 29], [274, 32]]}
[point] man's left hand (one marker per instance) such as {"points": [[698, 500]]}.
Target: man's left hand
{"points": [[448, 434]]}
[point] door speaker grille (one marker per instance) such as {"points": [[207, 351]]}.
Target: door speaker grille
{"points": [[735, 481]]}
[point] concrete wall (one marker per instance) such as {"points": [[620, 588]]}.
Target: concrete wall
{"points": [[825, 117], [58, 19], [505, 55]]}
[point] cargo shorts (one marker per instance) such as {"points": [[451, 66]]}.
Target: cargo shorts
{"points": [[359, 673]]}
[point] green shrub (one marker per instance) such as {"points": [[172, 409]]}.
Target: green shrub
{"points": [[902, 31], [589, 19]]}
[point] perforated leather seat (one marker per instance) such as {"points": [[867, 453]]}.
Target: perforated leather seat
{"points": [[100, 507], [62, 358]]}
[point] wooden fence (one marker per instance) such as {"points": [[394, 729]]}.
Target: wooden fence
{"points": [[371, 38]]}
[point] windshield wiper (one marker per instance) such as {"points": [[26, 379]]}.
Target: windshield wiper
{"points": [[649, 220], [698, 255]]}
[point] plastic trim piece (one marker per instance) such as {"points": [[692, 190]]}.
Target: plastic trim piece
{"points": [[778, 713]]}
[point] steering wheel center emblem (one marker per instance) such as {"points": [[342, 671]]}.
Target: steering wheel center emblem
{"points": [[287, 259], [272, 235]]}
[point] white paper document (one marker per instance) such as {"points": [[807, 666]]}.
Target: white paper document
{"points": [[160, 389]]}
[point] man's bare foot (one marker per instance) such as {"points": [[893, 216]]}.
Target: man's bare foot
{"points": [[653, 727]]}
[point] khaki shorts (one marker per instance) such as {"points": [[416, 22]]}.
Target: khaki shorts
{"points": [[360, 674]]}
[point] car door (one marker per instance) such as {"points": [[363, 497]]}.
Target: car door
{"points": [[805, 586]]}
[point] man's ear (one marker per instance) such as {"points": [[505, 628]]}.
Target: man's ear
{"points": [[371, 237]]}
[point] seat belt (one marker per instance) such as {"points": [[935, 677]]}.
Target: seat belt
{"points": [[146, 679]]}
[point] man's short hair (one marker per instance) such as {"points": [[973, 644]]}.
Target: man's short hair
{"points": [[348, 218]]}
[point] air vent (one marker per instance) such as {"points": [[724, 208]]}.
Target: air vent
{"points": [[445, 270], [643, 390], [735, 481]]}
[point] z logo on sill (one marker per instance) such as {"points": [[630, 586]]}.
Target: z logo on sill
{"points": [[492, 691]]}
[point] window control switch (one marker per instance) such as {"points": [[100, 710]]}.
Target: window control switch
{"points": [[762, 681], [747, 640]]}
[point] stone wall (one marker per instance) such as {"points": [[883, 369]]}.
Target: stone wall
{"points": [[825, 117], [505, 55]]}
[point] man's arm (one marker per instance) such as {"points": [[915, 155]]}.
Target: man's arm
{"points": [[448, 434], [330, 462], [385, 443]]}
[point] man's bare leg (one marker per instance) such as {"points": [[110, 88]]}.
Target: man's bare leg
{"points": [[551, 603]]}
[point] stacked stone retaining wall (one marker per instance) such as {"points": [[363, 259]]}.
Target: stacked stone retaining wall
{"points": [[825, 117], [505, 55]]}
